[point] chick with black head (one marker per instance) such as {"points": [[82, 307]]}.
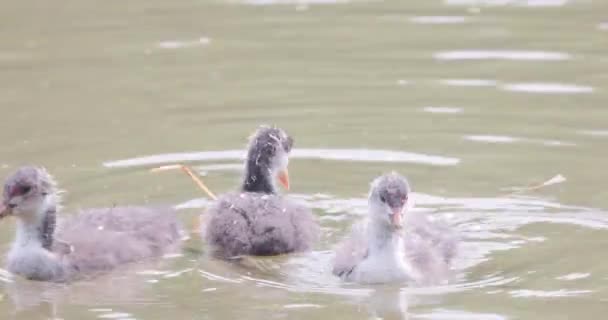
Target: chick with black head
{"points": [[257, 220]]}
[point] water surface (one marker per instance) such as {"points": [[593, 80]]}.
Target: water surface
{"points": [[467, 98]]}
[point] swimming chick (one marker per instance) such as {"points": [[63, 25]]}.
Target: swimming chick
{"points": [[257, 220], [50, 249], [393, 245]]}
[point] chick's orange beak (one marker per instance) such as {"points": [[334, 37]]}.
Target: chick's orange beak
{"points": [[396, 218], [284, 178]]}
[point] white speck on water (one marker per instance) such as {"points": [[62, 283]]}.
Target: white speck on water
{"points": [[470, 82], [450, 110], [438, 19], [537, 239], [603, 26], [557, 143], [100, 310], [152, 272], [177, 44], [209, 290], [595, 133], [549, 88], [299, 2], [573, 276], [518, 55], [302, 305], [492, 139], [114, 315], [402, 82], [177, 273], [519, 3], [548, 294]]}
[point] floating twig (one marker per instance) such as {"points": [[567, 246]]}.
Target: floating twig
{"points": [[189, 172], [555, 180]]}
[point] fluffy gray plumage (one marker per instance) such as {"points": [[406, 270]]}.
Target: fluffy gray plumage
{"points": [[257, 220], [375, 252], [92, 241], [259, 224]]}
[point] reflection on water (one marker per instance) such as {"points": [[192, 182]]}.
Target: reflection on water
{"points": [[539, 87], [470, 82], [443, 110], [465, 97], [526, 3], [509, 139], [177, 44], [356, 155], [501, 55], [438, 19]]}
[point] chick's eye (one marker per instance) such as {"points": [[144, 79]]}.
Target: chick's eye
{"points": [[25, 189], [382, 198]]}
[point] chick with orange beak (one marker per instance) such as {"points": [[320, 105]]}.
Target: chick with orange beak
{"points": [[388, 248], [257, 219], [388, 201]]}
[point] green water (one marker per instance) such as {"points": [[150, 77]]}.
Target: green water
{"points": [[500, 95]]}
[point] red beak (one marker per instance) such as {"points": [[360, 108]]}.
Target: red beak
{"points": [[396, 218], [284, 178]]}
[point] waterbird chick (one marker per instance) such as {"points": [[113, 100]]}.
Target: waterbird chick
{"points": [[394, 245], [257, 220], [93, 241]]}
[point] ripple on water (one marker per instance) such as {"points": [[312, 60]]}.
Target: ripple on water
{"points": [[509, 139], [594, 133], [180, 44], [354, 155], [574, 276], [492, 138], [487, 225], [449, 314], [523, 3], [297, 2], [438, 19], [451, 110], [548, 294], [470, 82], [501, 55], [548, 88]]}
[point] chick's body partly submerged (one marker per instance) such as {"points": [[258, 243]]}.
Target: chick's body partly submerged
{"points": [[93, 241], [251, 223], [257, 220], [420, 251]]}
